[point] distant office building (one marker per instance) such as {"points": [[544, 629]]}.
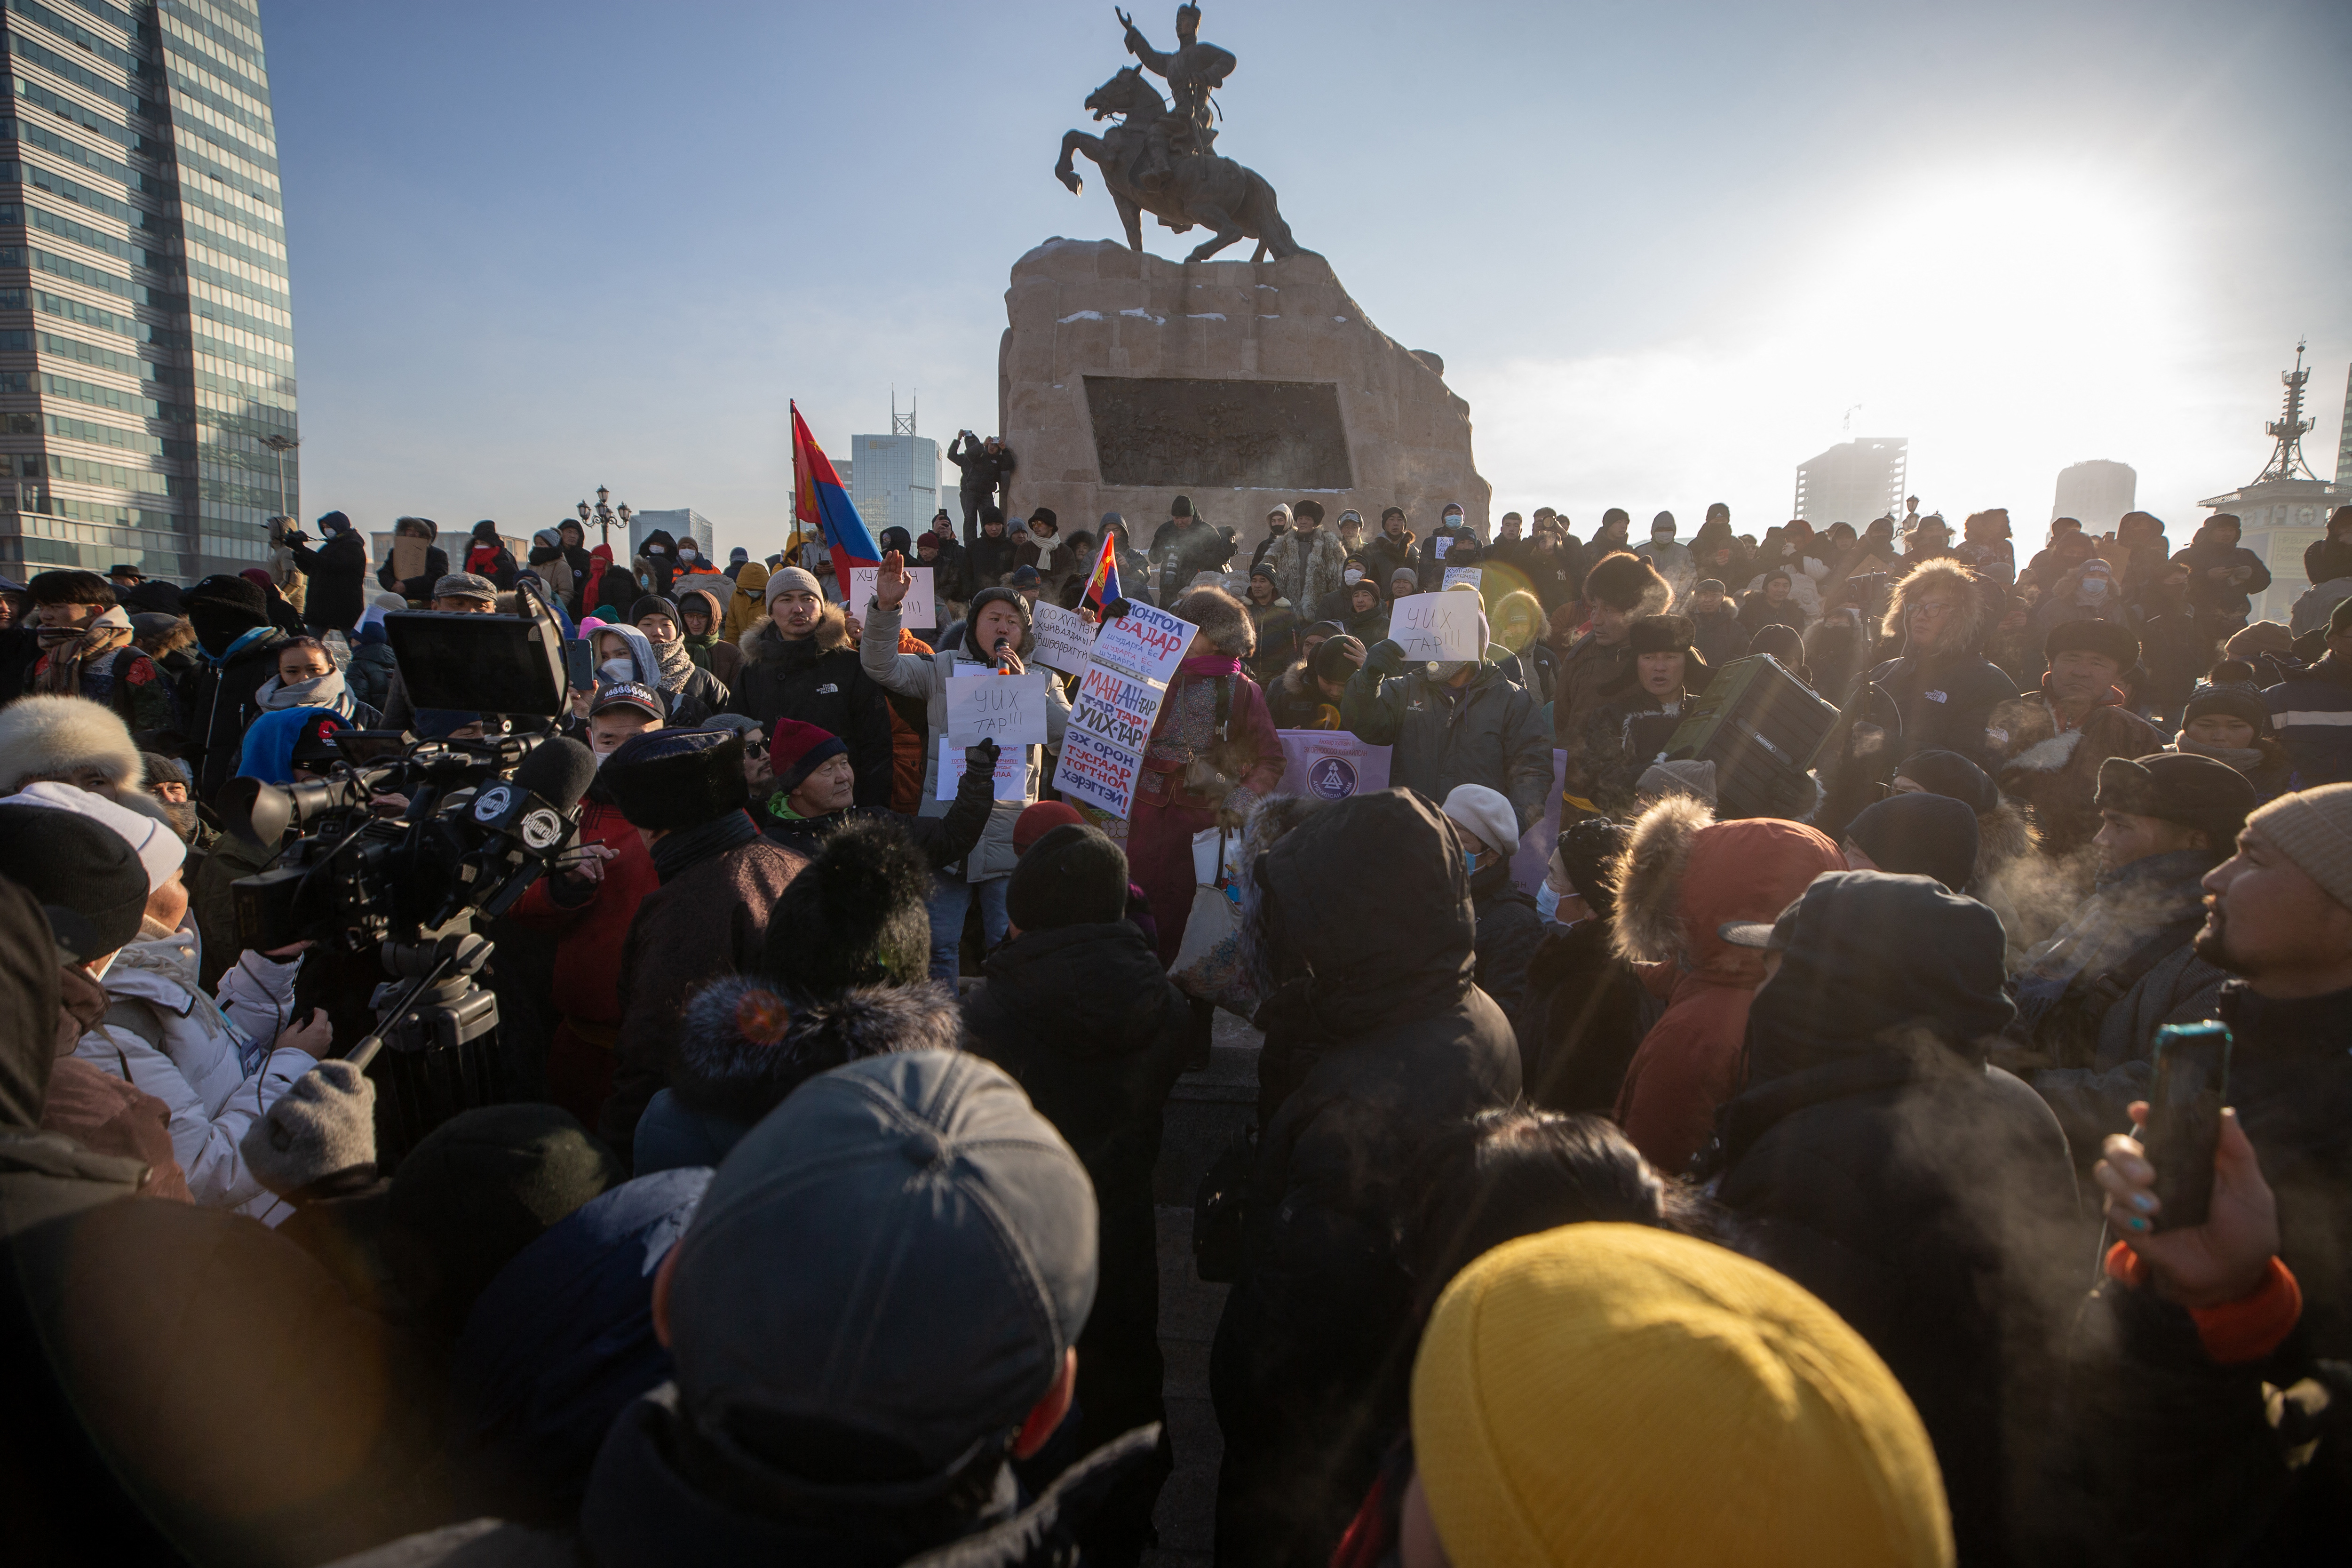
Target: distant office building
{"points": [[2095, 494], [1854, 481], [684, 522], [2286, 507], [146, 345], [2344, 438], [896, 481]]}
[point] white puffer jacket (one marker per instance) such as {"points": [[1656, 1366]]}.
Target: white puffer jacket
{"points": [[202, 1060]]}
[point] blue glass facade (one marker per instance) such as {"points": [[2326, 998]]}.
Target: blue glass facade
{"points": [[147, 406]]}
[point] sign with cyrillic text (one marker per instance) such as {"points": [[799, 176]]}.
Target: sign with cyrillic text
{"points": [[1064, 639], [1125, 681], [918, 610], [1009, 710], [1436, 627]]}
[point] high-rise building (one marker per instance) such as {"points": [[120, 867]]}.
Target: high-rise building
{"points": [[2344, 438], [2095, 494], [684, 522], [894, 481], [147, 410], [2285, 508], [1855, 481]]}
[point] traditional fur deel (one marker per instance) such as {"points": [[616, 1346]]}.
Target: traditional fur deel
{"points": [[53, 736], [1647, 873]]}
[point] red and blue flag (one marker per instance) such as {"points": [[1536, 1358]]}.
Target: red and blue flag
{"points": [[821, 502], [1102, 583]]}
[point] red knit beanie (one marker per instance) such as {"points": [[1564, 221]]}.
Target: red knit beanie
{"points": [[796, 750], [1036, 821]]}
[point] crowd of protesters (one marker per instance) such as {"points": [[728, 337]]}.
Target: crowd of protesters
{"points": [[1757, 1188]]}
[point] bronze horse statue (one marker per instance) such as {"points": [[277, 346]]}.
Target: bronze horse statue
{"points": [[1201, 188]]}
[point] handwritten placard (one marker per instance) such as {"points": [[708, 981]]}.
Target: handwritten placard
{"points": [[1065, 641], [919, 608], [1011, 771], [1436, 627], [1473, 575], [1439, 545], [1147, 643], [1009, 710]]}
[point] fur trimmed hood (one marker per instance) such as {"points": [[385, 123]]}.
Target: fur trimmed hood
{"points": [[1978, 613], [1647, 872], [1224, 621], [760, 640], [716, 613], [742, 1047], [48, 735]]}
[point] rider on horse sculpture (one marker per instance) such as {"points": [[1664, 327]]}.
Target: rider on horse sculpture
{"points": [[1193, 70]]}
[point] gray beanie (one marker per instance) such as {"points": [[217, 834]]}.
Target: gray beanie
{"points": [[2313, 827], [324, 1125], [785, 577]]}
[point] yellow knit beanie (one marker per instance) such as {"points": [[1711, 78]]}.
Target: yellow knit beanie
{"points": [[1612, 1394]]}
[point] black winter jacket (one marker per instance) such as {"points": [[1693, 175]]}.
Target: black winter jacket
{"points": [[1181, 551], [1945, 701], [1387, 1040], [817, 681], [944, 840], [1928, 1198], [1084, 1016], [1510, 927], [217, 705], [1581, 1020], [2209, 551], [416, 589], [337, 574]]}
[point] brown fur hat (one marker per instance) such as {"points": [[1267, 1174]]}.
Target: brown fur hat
{"points": [[1647, 872], [1624, 581], [1224, 620]]}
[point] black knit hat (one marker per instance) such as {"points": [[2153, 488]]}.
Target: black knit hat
{"points": [[1181, 507], [676, 778], [1950, 774], [1586, 848], [229, 591], [2237, 701], [1623, 581], [87, 877], [2111, 638], [655, 605], [1920, 834], [857, 915], [1073, 876], [2193, 791], [1339, 659]]}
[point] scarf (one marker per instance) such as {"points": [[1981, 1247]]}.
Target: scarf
{"points": [[244, 640], [697, 648], [679, 852], [2245, 758], [677, 663], [68, 654], [599, 561], [482, 558], [327, 690]]}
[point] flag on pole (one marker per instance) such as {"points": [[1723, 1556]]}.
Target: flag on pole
{"points": [[820, 503], [1102, 584]]}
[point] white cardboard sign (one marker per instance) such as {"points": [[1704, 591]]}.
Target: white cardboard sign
{"points": [[918, 610], [1064, 639], [1436, 627], [1146, 642], [1009, 710], [1111, 723], [1011, 771], [1470, 574]]}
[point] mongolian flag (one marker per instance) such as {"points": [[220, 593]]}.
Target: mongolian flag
{"points": [[1102, 583], [820, 503]]}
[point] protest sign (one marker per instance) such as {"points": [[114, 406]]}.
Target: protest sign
{"points": [[1009, 710], [1118, 698], [919, 608], [1011, 771], [1439, 545], [1330, 764], [1064, 639], [1436, 625], [1470, 574], [1146, 642]]}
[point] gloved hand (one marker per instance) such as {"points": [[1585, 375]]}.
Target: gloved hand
{"points": [[324, 1125], [1386, 657], [981, 757]]}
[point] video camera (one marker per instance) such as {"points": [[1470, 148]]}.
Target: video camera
{"points": [[476, 823]]}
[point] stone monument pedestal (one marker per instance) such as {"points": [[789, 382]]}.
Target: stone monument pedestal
{"points": [[1124, 380]]}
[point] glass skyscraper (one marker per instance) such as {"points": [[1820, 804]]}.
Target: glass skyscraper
{"points": [[146, 343]]}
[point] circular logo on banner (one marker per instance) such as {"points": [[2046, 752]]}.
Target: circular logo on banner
{"points": [[543, 829], [492, 802], [1332, 778]]}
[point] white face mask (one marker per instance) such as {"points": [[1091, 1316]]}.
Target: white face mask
{"points": [[618, 670], [2094, 587], [685, 554], [1351, 576]]}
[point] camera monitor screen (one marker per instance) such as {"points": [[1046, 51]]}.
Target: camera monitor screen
{"points": [[490, 664]]}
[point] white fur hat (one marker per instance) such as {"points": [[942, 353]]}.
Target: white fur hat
{"points": [[48, 734]]}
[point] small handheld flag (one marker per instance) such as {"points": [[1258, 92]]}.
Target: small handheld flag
{"points": [[820, 502], [1102, 583]]}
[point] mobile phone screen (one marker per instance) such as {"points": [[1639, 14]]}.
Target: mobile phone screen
{"points": [[2184, 1119], [579, 660]]}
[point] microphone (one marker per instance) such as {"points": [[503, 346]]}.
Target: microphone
{"points": [[1004, 646], [524, 822]]}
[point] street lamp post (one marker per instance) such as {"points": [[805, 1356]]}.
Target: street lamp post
{"points": [[604, 516], [281, 445]]}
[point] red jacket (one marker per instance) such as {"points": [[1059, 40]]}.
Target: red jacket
{"points": [[1689, 1062], [591, 934]]}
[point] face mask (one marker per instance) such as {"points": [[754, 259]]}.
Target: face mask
{"points": [[686, 554], [656, 550], [1660, 536], [1452, 520], [2094, 587], [618, 670], [1469, 860], [1351, 576]]}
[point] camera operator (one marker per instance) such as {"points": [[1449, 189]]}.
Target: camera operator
{"points": [[291, 745], [589, 907], [683, 791], [337, 574]]}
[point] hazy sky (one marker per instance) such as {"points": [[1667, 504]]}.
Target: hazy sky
{"points": [[1662, 248]]}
